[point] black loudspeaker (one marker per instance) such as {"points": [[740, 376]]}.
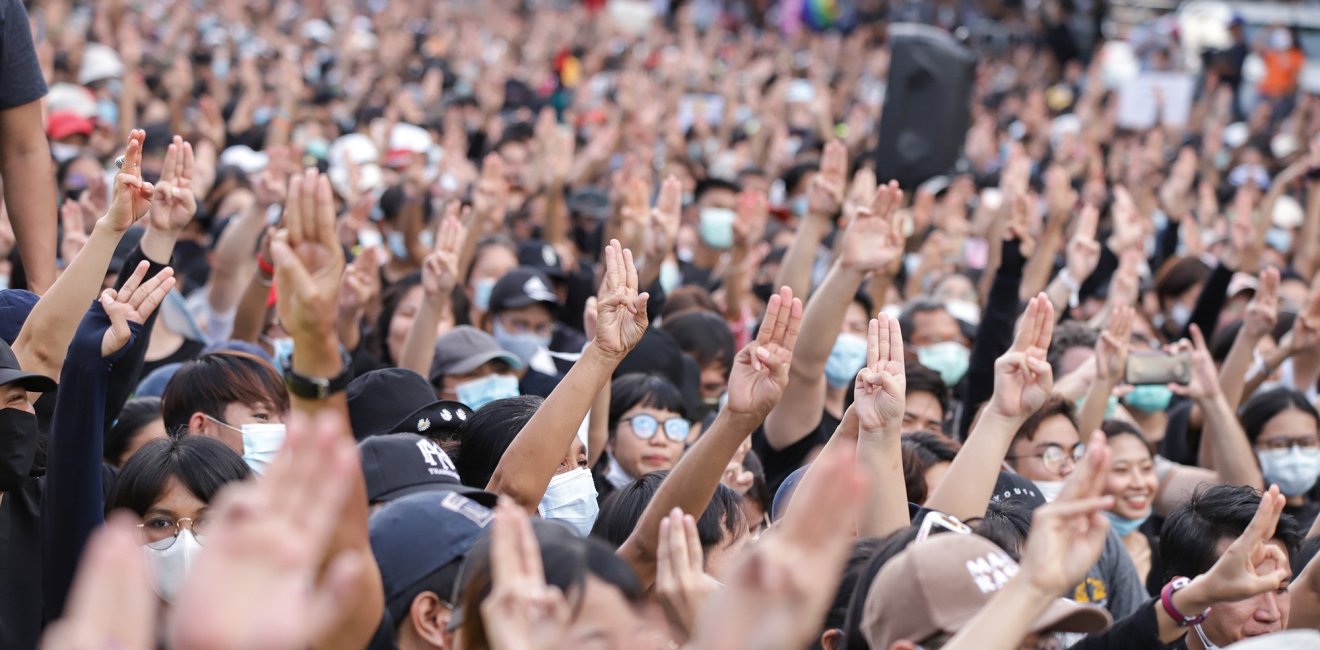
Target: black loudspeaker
{"points": [[926, 111]]}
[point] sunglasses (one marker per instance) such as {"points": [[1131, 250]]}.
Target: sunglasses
{"points": [[644, 426]]}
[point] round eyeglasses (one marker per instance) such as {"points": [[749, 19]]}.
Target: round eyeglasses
{"points": [[644, 426], [1055, 458], [162, 531]]}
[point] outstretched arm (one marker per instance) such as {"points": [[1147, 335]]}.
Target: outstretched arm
{"points": [[881, 395]]}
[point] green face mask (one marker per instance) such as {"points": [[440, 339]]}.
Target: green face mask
{"points": [[1152, 398]]}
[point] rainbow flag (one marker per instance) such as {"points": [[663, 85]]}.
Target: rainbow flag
{"points": [[820, 14]]}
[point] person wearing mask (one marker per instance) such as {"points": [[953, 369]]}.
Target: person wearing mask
{"points": [[1284, 431], [470, 367], [938, 339], [397, 465], [1132, 481], [234, 397], [522, 315]]}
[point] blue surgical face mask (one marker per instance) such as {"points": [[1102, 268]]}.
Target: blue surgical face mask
{"points": [[1122, 525], [949, 358], [398, 245], [1150, 398], [1280, 239], [480, 392], [847, 357], [1180, 314], [108, 111], [571, 498], [715, 226], [481, 290], [282, 350], [1294, 470], [523, 345], [798, 205]]}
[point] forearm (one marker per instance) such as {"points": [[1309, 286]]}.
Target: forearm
{"points": [[30, 198], [1305, 602], [235, 259], [44, 339], [795, 272], [598, 430], [1307, 257], [1210, 303], [689, 487], [1233, 372], [419, 345], [994, 335], [1092, 413], [158, 245], [1233, 457], [250, 316], [127, 369], [1005, 621], [529, 463], [736, 285], [556, 215], [967, 486], [880, 457], [1036, 274]]}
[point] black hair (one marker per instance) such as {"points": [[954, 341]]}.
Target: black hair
{"points": [[704, 336], [1178, 275], [215, 380], [759, 492], [1067, 335], [890, 546], [1191, 535], [622, 510], [636, 389], [200, 464], [1006, 523], [137, 413], [921, 379], [488, 433], [921, 450], [1225, 335], [1052, 407], [708, 184], [837, 615], [923, 305], [1113, 428], [390, 300], [794, 176], [1306, 551], [1262, 407]]}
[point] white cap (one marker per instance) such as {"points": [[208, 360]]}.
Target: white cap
{"points": [[99, 63], [244, 158], [318, 30], [410, 138], [370, 178], [1288, 212], [1236, 134], [71, 98], [355, 147], [1283, 145]]}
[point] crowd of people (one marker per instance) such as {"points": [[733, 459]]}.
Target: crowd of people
{"points": [[514, 325]]}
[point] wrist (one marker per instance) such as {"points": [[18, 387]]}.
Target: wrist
{"points": [[1194, 598]]}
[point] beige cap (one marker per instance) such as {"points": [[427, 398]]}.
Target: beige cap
{"points": [[937, 586]]}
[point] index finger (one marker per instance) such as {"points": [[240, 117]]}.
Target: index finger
{"points": [[1045, 328], [873, 342], [1265, 520], [1087, 222], [882, 339], [1027, 330], [764, 333], [171, 159], [834, 162]]}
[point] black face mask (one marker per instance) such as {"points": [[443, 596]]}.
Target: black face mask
{"points": [[18, 447]]}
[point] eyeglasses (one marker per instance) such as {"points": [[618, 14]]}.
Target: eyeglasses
{"points": [[162, 531], [1311, 441], [1054, 458], [644, 426]]}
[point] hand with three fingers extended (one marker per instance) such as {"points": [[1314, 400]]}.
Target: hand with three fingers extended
{"points": [[522, 612], [666, 218], [760, 370], [880, 391], [132, 303], [1263, 310], [131, 196], [825, 194], [681, 582], [440, 268], [874, 239], [173, 203], [1253, 564], [1068, 534], [1083, 249], [1111, 348], [73, 236], [308, 259], [621, 318], [261, 582], [1023, 378], [491, 192]]}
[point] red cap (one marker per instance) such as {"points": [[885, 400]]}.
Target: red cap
{"points": [[63, 124]]}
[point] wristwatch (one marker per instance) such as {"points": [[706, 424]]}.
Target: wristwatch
{"points": [[1166, 599], [317, 388]]}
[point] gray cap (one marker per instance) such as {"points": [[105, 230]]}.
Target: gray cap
{"points": [[464, 349]]}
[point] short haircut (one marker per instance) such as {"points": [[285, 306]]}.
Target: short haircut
{"points": [[921, 450], [836, 617], [622, 510], [488, 433], [1052, 407], [1190, 538], [921, 379], [921, 305], [213, 381], [1068, 335], [687, 298], [650, 391], [709, 184], [137, 413], [1262, 407], [702, 335], [200, 464]]}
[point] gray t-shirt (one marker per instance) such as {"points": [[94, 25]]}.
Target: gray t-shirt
{"points": [[20, 72], [1113, 583]]}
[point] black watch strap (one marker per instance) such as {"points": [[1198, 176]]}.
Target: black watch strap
{"points": [[318, 388]]}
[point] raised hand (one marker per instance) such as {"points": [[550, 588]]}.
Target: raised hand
{"points": [[308, 258], [131, 197], [257, 586], [1068, 534], [1023, 379], [112, 604], [1251, 565], [133, 303], [1243, 250], [491, 192], [861, 194], [735, 475], [749, 225], [681, 583], [825, 194], [1083, 249], [620, 310], [880, 391], [74, 236], [1305, 333], [440, 268], [1263, 310], [1111, 348], [522, 612], [173, 203], [1205, 376], [874, 238], [1123, 286], [760, 370], [666, 217], [1129, 230]]}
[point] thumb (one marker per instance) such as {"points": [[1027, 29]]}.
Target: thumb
{"points": [[289, 269]]}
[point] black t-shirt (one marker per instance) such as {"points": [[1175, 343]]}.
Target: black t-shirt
{"points": [[779, 463], [20, 73], [187, 352], [20, 566]]}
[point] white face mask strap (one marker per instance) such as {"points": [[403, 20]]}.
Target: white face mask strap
{"points": [[1205, 640]]}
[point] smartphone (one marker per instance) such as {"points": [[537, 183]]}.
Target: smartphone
{"points": [[1158, 368]]}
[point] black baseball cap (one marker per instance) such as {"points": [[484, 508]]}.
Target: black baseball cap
{"points": [[540, 255], [420, 542], [12, 373], [1012, 487], [520, 288], [397, 400], [399, 464]]}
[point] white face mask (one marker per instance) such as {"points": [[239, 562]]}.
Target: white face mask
{"points": [[260, 444], [571, 498], [170, 565], [1049, 489]]}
